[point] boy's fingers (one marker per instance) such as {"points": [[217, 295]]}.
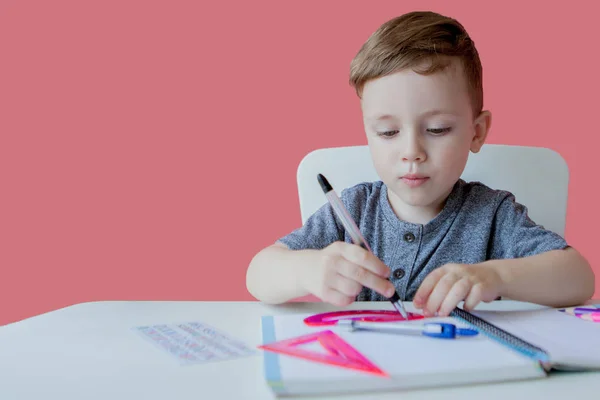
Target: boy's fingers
{"points": [[459, 292], [440, 292], [346, 286], [473, 298], [336, 298], [422, 296], [365, 258], [367, 278]]}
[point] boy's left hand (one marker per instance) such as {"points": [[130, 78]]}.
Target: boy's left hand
{"points": [[445, 287]]}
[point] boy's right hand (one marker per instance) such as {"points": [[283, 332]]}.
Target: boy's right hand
{"points": [[341, 270]]}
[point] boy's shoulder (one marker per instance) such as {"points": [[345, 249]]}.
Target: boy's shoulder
{"points": [[479, 193], [362, 195], [475, 200], [363, 190], [476, 190], [481, 205], [365, 200]]}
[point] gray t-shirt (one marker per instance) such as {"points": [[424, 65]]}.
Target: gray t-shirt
{"points": [[476, 224]]}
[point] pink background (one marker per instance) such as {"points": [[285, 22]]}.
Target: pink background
{"points": [[148, 149]]}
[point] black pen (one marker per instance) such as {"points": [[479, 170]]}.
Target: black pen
{"points": [[354, 232]]}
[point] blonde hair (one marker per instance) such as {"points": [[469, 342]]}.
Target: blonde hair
{"points": [[424, 41]]}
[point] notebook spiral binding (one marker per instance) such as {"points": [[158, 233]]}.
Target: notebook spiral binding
{"points": [[502, 336]]}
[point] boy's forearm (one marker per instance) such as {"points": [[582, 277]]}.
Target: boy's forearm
{"points": [[274, 274], [556, 278]]}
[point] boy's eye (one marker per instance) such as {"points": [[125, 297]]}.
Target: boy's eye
{"points": [[387, 133], [439, 131]]}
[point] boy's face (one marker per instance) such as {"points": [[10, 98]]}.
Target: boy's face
{"points": [[420, 129]]}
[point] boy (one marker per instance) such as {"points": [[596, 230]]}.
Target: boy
{"points": [[436, 239]]}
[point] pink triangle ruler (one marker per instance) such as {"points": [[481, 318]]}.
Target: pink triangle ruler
{"points": [[339, 352]]}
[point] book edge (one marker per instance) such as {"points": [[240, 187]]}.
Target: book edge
{"points": [[271, 366]]}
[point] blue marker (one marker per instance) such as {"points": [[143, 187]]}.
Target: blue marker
{"points": [[431, 329]]}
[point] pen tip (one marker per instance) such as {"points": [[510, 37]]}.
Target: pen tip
{"points": [[324, 183]]}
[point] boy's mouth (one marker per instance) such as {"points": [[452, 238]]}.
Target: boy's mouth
{"points": [[414, 180]]}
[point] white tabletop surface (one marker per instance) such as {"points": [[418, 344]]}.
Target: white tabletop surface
{"points": [[88, 351]]}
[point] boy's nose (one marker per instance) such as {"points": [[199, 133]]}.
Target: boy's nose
{"points": [[412, 150], [414, 156]]}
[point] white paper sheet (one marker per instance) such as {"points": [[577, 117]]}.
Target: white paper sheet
{"points": [[194, 342], [571, 342]]}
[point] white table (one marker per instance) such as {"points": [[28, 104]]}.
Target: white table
{"points": [[88, 351]]}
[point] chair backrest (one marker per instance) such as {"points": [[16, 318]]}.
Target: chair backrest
{"points": [[538, 177]]}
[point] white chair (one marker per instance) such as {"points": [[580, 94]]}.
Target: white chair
{"points": [[538, 177]]}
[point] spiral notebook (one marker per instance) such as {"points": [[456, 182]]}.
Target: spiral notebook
{"points": [[512, 345]]}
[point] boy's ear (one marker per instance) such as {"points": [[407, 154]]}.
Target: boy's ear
{"points": [[481, 127]]}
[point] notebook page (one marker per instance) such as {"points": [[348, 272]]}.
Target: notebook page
{"points": [[570, 341], [407, 356]]}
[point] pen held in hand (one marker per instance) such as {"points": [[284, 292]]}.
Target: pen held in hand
{"points": [[350, 226]]}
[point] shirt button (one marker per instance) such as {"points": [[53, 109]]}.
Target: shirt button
{"points": [[399, 273], [409, 237]]}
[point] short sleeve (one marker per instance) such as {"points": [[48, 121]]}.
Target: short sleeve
{"points": [[319, 231], [515, 235]]}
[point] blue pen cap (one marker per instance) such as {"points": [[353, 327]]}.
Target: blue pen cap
{"points": [[440, 330], [446, 330], [466, 332]]}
